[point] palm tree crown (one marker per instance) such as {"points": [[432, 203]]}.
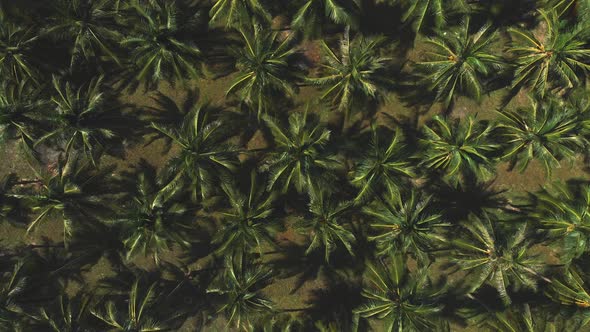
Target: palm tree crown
{"points": [[499, 257], [152, 220], [84, 119], [420, 12], [545, 131], [12, 286], [404, 301], [21, 113], [354, 74], [460, 61], [238, 13], [458, 147], [249, 224], [300, 157], [408, 223], [264, 70], [240, 286], [557, 59], [89, 25], [324, 224], [564, 212], [73, 194], [66, 314], [15, 51], [204, 157], [158, 45], [383, 168], [139, 314], [312, 15]]}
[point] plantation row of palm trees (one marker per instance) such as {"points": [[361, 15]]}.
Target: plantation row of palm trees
{"points": [[383, 211], [143, 42]]}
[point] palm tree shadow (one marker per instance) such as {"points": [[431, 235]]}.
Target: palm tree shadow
{"points": [[294, 262], [470, 196], [386, 19], [333, 305], [413, 94], [92, 244]]}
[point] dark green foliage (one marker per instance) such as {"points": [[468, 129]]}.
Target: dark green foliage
{"points": [[325, 224], [204, 157], [248, 224], [563, 211], [264, 69], [16, 57], [402, 300], [548, 132], [501, 257], [158, 46], [557, 59], [240, 286], [406, 223], [314, 15], [459, 148], [238, 13], [84, 119], [383, 168], [88, 27], [460, 62], [300, 157], [152, 220], [353, 74], [71, 196]]}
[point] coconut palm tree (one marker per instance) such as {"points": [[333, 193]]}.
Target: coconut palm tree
{"points": [[138, 312], [407, 223], [242, 299], [299, 157], [570, 290], [16, 54], [521, 318], [402, 301], [162, 43], [71, 196], [21, 111], [383, 168], [422, 13], [313, 15], [13, 283], [249, 223], [458, 148], [324, 224], [151, 220], [557, 59], [546, 131], [84, 121], [204, 158], [238, 13], [500, 257], [66, 314], [89, 27], [264, 69], [563, 212], [459, 62], [353, 74]]}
